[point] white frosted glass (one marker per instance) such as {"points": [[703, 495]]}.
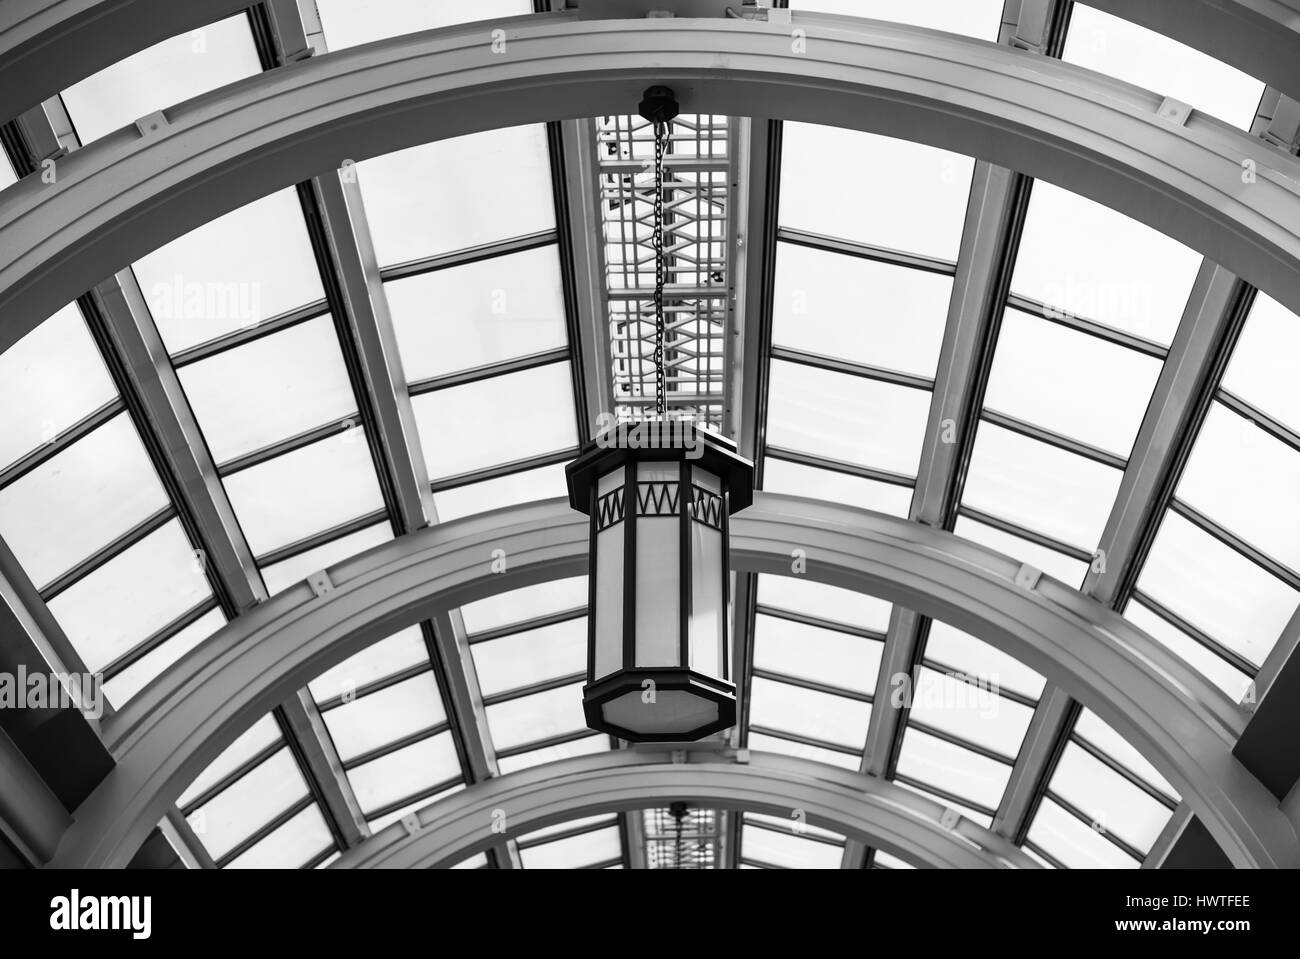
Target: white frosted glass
{"points": [[707, 608]]}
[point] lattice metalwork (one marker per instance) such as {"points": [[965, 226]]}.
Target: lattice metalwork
{"points": [[695, 846], [699, 177]]}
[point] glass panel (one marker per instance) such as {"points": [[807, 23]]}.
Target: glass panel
{"points": [[523, 604], [533, 656], [825, 602], [292, 846], [1069, 382], [1040, 487], [385, 716], [874, 313], [50, 379], [783, 476], [975, 18], [238, 811], [574, 852], [1067, 569], [351, 22], [971, 711], [884, 860], [775, 744], [951, 768], [79, 500], [973, 815], [536, 717], [498, 420], [167, 73], [611, 579], [379, 823], [472, 190], [1216, 589], [949, 646], [1112, 803], [545, 482], [404, 773], [1073, 843], [1217, 669], [294, 570], [658, 568], [905, 196], [251, 742], [143, 671], [385, 658], [788, 850], [305, 492], [550, 754], [271, 389], [1087, 260], [708, 601], [804, 712], [229, 274], [132, 596], [7, 175], [1107, 44], [1096, 732], [1262, 367], [822, 655], [847, 418], [480, 313], [1246, 481]]}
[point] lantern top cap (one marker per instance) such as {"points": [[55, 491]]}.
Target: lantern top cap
{"points": [[660, 441]]}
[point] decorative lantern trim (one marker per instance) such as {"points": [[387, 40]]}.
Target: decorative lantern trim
{"points": [[618, 447], [665, 679]]}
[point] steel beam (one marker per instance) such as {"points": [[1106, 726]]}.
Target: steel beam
{"points": [[132, 191], [889, 816], [1178, 720], [48, 45]]}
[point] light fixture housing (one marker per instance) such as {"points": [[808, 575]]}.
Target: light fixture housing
{"points": [[659, 494]]}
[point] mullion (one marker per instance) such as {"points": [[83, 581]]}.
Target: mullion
{"points": [[1090, 327], [811, 684], [1232, 657], [560, 739], [807, 619], [138, 532], [1105, 833], [1236, 543], [477, 374], [958, 741], [1015, 529], [426, 793], [831, 364], [1051, 438], [527, 625], [1122, 770], [839, 466], [266, 829], [546, 685], [43, 453], [142, 649], [323, 538], [410, 739], [316, 434]]}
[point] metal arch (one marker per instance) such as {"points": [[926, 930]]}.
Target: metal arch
{"points": [[140, 187], [877, 811], [48, 45], [1176, 718]]}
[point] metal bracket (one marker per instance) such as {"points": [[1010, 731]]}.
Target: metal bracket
{"points": [[949, 819], [1176, 111], [151, 124], [320, 583], [1284, 128], [1027, 577]]}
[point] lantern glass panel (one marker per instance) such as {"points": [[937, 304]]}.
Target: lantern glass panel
{"points": [[658, 535], [707, 574], [672, 712], [607, 625]]}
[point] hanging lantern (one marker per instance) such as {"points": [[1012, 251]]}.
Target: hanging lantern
{"points": [[659, 495]]}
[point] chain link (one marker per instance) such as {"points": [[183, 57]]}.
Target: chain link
{"points": [[661, 140]]}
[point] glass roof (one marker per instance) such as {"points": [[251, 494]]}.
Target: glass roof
{"points": [[474, 264]]}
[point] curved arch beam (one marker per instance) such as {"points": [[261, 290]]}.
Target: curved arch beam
{"points": [[874, 811], [48, 45], [131, 192], [1176, 718]]}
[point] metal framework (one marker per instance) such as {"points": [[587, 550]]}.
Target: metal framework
{"points": [[43, 42], [1182, 724], [209, 156], [910, 826]]}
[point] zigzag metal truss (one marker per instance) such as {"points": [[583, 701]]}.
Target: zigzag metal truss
{"points": [[700, 174]]}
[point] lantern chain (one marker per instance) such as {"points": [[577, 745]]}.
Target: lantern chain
{"points": [[661, 140]]}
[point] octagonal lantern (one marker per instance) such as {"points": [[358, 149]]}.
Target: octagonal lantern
{"points": [[659, 494]]}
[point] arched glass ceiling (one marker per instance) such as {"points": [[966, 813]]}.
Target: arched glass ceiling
{"points": [[464, 237]]}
